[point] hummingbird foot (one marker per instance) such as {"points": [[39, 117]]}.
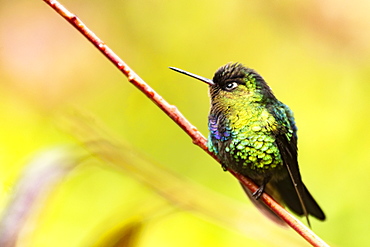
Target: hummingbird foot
{"points": [[258, 193], [224, 167]]}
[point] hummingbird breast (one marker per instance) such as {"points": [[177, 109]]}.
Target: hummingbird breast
{"points": [[244, 141]]}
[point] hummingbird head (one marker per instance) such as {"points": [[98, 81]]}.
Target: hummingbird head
{"points": [[234, 83]]}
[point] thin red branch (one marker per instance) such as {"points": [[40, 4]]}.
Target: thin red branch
{"points": [[179, 119]]}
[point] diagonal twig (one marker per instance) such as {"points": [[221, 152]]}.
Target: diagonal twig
{"points": [[179, 119]]}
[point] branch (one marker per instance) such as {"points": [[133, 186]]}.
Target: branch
{"points": [[179, 119]]}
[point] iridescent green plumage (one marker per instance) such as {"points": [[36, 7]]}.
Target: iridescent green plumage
{"points": [[254, 134], [243, 122]]}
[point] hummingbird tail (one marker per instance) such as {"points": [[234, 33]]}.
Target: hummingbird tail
{"points": [[289, 196]]}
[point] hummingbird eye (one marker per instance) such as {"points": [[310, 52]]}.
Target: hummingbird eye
{"points": [[230, 86]]}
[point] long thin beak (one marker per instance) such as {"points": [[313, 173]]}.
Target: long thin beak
{"points": [[201, 78]]}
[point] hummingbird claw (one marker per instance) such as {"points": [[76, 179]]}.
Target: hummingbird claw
{"points": [[258, 193], [224, 167]]}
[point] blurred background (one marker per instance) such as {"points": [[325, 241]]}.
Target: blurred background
{"points": [[314, 55]]}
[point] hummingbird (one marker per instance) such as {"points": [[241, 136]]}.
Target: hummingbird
{"points": [[253, 133]]}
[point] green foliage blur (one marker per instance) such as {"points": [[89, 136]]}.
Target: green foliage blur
{"points": [[314, 54]]}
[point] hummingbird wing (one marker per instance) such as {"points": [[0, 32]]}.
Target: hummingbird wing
{"points": [[292, 190]]}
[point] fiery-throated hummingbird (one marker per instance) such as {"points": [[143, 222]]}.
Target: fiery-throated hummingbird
{"points": [[254, 134]]}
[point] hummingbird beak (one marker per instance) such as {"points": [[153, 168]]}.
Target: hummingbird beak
{"points": [[201, 78]]}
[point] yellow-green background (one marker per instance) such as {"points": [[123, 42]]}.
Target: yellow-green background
{"points": [[314, 54]]}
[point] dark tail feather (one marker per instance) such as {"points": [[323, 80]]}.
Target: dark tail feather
{"points": [[289, 196], [263, 208]]}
